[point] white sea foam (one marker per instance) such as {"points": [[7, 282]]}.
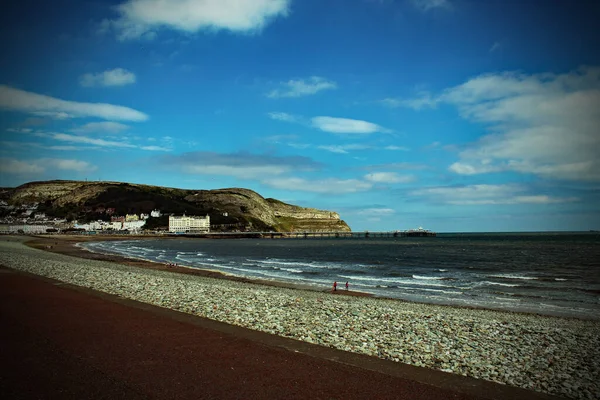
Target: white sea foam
{"points": [[508, 276], [274, 261], [393, 281], [442, 291], [500, 284], [507, 298], [442, 270], [428, 277]]}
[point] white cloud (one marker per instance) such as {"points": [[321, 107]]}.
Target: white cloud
{"points": [[113, 77], [38, 104], [495, 47], [330, 185], [345, 125], [155, 148], [63, 137], [486, 194], [18, 167], [396, 148], [53, 114], [238, 171], [87, 140], [468, 169], [376, 212], [12, 166], [389, 177], [301, 87], [281, 116], [427, 5], [109, 127], [542, 124], [239, 165], [142, 18], [421, 101], [344, 148], [70, 165]]}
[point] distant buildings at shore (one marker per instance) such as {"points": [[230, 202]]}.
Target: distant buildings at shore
{"points": [[189, 224]]}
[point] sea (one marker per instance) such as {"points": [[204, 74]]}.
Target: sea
{"points": [[544, 273]]}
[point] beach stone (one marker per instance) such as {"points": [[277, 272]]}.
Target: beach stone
{"points": [[559, 356]]}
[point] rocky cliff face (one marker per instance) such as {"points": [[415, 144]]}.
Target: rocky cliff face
{"points": [[233, 208]]}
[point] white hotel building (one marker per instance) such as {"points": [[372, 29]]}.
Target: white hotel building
{"points": [[187, 224]]}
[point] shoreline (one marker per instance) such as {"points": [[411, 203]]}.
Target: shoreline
{"points": [[553, 355], [69, 245]]}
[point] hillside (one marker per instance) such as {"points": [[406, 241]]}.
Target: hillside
{"points": [[233, 208]]}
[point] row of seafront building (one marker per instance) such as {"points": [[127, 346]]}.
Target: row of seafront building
{"points": [[32, 222], [131, 222]]}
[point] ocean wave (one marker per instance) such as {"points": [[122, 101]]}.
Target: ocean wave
{"points": [[441, 291], [274, 261], [438, 278], [500, 284], [507, 299], [442, 270], [508, 276], [394, 281]]}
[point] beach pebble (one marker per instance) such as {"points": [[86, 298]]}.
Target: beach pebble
{"points": [[559, 356]]}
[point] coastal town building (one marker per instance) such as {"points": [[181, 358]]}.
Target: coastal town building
{"points": [[155, 213], [189, 224], [131, 217]]}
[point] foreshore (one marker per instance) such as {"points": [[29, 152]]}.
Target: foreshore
{"points": [[548, 354]]}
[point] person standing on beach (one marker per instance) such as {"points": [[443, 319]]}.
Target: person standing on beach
{"points": [[346, 285], [335, 286]]}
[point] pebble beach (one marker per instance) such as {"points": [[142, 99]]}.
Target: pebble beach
{"points": [[559, 356]]}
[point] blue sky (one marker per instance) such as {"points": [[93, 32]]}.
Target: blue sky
{"points": [[454, 115]]}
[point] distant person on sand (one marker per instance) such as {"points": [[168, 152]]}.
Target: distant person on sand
{"points": [[334, 286], [346, 285]]}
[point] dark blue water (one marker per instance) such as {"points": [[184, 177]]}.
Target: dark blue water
{"points": [[545, 273]]}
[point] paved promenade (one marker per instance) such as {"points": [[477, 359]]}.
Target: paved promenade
{"points": [[63, 342]]}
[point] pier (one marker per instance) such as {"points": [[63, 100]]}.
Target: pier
{"points": [[308, 235]]}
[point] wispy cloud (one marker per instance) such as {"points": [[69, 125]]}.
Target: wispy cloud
{"points": [[346, 126], [428, 5], [281, 116], [421, 101], [143, 18], [343, 148], [38, 104], [69, 165], [108, 127], [389, 177], [239, 165], [396, 148], [155, 148], [113, 77], [329, 185], [37, 167], [13, 166], [495, 47], [486, 194], [302, 87], [403, 166], [63, 137], [376, 212]]}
